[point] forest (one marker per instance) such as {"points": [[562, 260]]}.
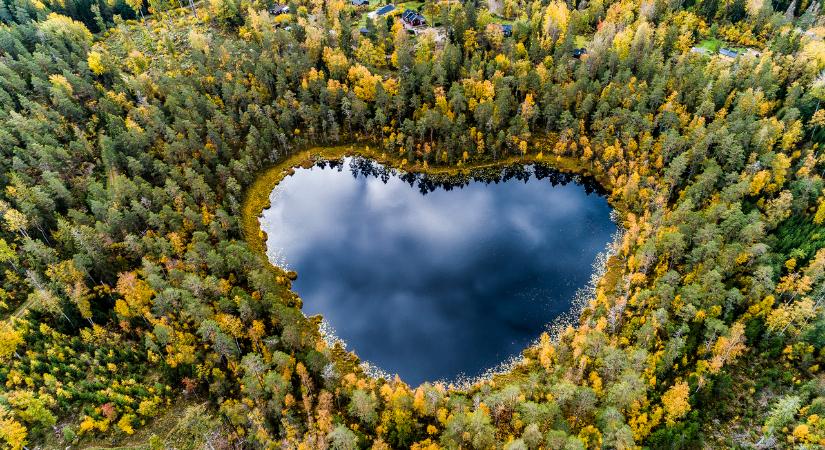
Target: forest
{"points": [[138, 310]]}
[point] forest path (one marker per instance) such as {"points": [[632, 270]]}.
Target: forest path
{"points": [[22, 308]]}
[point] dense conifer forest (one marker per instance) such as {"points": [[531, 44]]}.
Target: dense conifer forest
{"points": [[138, 309]]}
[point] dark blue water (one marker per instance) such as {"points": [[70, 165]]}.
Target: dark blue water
{"points": [[429, 281]]}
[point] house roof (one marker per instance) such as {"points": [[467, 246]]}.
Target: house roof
{"points": [[385, 9], [728, 52], [410, 16]]}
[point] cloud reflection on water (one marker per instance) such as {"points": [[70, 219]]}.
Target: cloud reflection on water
{"points": [[432, 286]]}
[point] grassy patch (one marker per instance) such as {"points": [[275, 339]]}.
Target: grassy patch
{"points": [[712, 45], [502, 20], [413, 5]]}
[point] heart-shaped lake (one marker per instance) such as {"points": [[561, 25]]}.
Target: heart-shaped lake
{"points": [[435, 281]]}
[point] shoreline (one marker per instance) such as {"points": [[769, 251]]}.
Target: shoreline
{"points": [[257, 198]]}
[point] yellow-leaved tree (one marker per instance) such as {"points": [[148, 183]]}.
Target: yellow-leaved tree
{"points": [[136, 295], [556, 17], [12, 432], [819, 217], [9, 340], [675, 402]]}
